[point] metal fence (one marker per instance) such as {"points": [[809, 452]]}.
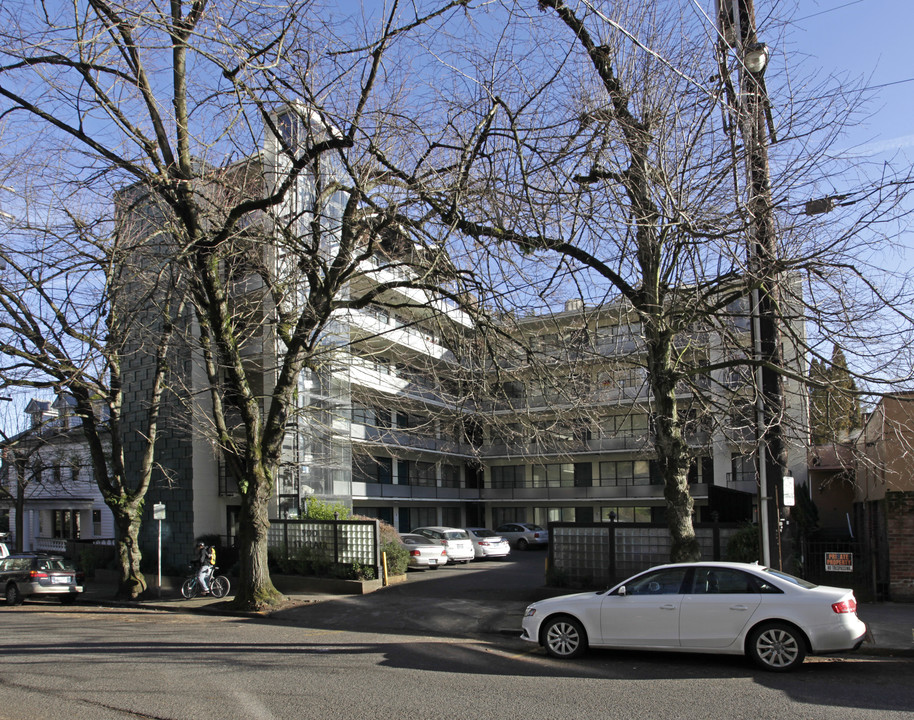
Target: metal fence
{"points": [[341, 542], [843, 563], [602, 554]]}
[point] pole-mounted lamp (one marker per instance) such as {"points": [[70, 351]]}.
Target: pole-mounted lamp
{"points": [[756, 58]]}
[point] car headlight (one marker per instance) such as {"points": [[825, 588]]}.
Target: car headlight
{"points": [[530, 611]]}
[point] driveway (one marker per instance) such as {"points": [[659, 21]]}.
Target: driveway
{"points": [[453, 601]]}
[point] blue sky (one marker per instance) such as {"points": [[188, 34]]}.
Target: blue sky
{"points": [[868, 39]]}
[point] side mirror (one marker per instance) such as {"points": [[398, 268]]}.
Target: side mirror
{"points": [[621, 591]]}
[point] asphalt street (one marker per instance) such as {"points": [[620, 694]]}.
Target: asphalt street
{"points": [[477, 599]]}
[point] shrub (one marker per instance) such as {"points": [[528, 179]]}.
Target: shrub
{"points": [[397, 556], [317, 509], [743, 545]]}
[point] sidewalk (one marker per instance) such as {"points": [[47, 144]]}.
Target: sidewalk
{"points": [[891, 625]]}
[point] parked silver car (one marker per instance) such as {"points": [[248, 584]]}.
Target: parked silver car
{"points": [[424, 552], [523, 535], [488, 544]]}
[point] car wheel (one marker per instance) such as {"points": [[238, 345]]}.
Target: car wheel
{"points": [[69, 598], [777, 647], [13, 596], [522, 544], [564, 637]]}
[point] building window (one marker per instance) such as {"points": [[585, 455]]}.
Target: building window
{"points": [[288, 507], [422, 474], [362, 414], [625, 514], [423, 517], [503, 515], [450, 476], [66, 524], [384, 514], [369, 469], [507, 476], [625, 472], [553, 476], [450, 517], [543, 516]]}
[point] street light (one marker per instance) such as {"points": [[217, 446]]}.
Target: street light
{"points": [[756, 58], [3, 214]]}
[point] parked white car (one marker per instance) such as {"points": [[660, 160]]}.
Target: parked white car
{"points": [[487, 544], [456, 542], [710, 607], [424, 552], [523, 535]]}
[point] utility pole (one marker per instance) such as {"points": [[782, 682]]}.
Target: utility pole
{"points": [[738, 31]]}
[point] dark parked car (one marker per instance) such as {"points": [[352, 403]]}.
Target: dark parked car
{"points": [[34, 575]]}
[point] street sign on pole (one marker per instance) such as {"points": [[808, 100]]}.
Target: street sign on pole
{"points": [[158, 513], [789, 493]]}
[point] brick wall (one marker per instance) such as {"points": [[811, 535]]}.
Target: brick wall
{"points": [[900, 531]]}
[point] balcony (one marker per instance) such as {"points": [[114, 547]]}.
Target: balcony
{"points": [[392, 491], [405, 439]]}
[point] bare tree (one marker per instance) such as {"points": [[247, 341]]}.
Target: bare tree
{"points": [[589, 158], [276, 246], [71, 312]]}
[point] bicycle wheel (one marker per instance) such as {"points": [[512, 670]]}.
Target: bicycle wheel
{"points": [[219, 586], [189, 588]]}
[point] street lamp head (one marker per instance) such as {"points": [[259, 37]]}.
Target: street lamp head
{"points": [[756, 58]]}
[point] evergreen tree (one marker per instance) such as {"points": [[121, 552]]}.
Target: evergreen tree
{"points": [[834, 404]]}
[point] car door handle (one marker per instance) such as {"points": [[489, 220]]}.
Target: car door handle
{"points": [[738, 607], [668, 606]]}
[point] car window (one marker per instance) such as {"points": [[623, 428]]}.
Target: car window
{"points": [[659, 582], [457, 535], [536, 528], [483, 533], [722, 581], [790, 578]]}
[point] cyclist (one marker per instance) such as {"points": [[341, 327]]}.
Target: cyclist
{"points": [[203, 560]]}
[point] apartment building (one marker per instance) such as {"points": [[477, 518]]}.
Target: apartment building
{"points": [[404, 417], [560, 431]]}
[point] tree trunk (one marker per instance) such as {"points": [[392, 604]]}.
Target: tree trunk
{"points": [[132, 583], [255, 589], [20, 506], [673, 456]]}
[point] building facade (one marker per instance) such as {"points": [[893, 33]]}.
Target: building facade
{"points": [[48, 485], [405, 416]]}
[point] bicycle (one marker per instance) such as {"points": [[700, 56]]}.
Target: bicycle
{"points": [[218, 585]]}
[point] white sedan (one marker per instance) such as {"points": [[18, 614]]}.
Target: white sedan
{"points": [[487, 544], [708, 607], [456, 542], [423, 552]]}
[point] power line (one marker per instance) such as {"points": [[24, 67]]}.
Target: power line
{"points": [[823, 12]]}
